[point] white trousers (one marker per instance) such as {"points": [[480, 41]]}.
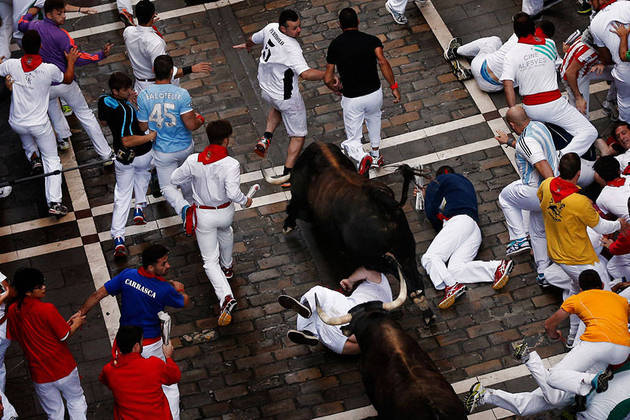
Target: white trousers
{"points": [[50, 397], [171, 391], [356, 110], [398, 6], [72, 95], [584, 83], [131, 180], [6, 30], [559, 112], [4, 345], [165, 164], [480, 49], [124, 4], [527, 403], [619, 266], [457, 243], [515, 198], [41, 137], [215, 240], [623, 99], [532, 7], [571, 373]]}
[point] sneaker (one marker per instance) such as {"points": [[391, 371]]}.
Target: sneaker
{"points": [[399, 18], [110, 159], [138, 216], [262, 146], [600, 381], [610, 108], [451, 51], [541, 280], [584, 7], [120, 250], [289, 302], [520, 351], [517, 246], [302, 337], [502, 275], [5, 191], [377, 161], [450, 294], [226, 311], [286, 185], [570, 342], [474, 397], [67, 111], [365, 165], [63, 144], [126, 18], [229, 273], [36, 164], [57, 209]]}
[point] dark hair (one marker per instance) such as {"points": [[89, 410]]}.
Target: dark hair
{"points": [[348, 18], [31, 42], [607, 167], [26, 280], [523, 25], [569, 165], [445, 170], [144, 11], [589, 279], [218, 130], [288, 15], [548, 28], [152, 254], [162, 67], [616, 126], [127, 337], [51, 5], [119, 80]]}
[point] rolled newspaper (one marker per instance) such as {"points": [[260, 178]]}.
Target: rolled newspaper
{"points": [[419, 183], [253, 190], [165, 321]]}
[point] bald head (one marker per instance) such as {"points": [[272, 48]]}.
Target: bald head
{"points": [[517, 118]]}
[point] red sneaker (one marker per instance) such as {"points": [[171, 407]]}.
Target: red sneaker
{"points": [[450, 294], [365, 164], [226, 311], [229, 273], [262, 146], [378, 162], [502, 275]]}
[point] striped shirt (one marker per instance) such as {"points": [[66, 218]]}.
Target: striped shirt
{"points": [[534, 145], [581, 52]]}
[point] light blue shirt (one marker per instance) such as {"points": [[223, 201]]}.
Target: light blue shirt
{"points": [[534, 145], [162, 106]]}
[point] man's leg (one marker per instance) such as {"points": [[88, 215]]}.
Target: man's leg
{"points": [[225, 236], [373, 112], [398, 6], [122, 198], [293, 115], [171, 391], [522, 403], [442, 247], [47, 146], [532, 7], [165, 164], [293, 151], [623, 98], [484, 46], [513, 199], [49, 397], [4, 345], [58, 120], [142, 177], [353, 117], [538, 240], [70, 388], [6, 30]]}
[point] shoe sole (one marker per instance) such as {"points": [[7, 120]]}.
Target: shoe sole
{"points": [[448, 48], [447, 303], [230, 276], [120, 252], [289, 302], [517, 350], [391, 12], [504, 279], [519, 251], [139, 221], [226, 315], [299, 337]]}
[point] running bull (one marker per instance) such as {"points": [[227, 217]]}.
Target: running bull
{"points": [[357, 216], [400, 379]]}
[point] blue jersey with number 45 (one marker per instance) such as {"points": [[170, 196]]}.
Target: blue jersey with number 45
{"points": [[162, 106]]}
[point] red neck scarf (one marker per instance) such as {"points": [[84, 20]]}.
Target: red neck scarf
{"points": [[617, 182], [30, 62], [157, 32], [627, 170], [532, 40], [605, 3], [145, 273], [539, 33], [561, 189], [212, 153]]}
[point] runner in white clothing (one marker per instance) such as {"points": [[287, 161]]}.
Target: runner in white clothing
{"points": [[32, 80], [531, 65], [281, 62], [215, 180]]}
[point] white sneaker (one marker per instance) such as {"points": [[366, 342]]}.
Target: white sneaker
{"points": [[399, 18], [5, 191]]}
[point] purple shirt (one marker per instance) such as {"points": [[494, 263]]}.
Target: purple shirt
{"points": [[55, 42]]}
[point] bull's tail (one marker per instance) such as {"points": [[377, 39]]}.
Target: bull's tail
{"points": [[408, 173]]}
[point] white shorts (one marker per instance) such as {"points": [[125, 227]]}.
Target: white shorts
{"points": [[293, 113]]}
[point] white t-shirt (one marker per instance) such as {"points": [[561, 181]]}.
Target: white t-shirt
{"points": [[534, 145], [495, 60], [31, 91], [602, 37], [624, 160], [143, 45], [281, 62], [614, 200], [20, 7], [532, 67]]}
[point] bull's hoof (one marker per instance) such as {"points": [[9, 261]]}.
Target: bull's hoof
{"points": [[287, 229], [428, 316], [421, 302]]}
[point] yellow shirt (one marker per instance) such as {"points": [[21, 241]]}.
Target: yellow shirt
{"points": [[565, 226], [604, 313]]}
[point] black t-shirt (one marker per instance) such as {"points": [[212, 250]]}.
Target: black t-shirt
{"points": [[353, 54], [121, 118]]}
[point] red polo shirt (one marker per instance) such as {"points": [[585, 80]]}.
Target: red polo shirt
{"points": [[40, 329], [136, 383]]}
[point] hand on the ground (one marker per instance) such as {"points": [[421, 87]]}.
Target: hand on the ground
{"points": [[203, 67], [580, 104], [107, 48], [179, 286], [73, 55], [249, 202], [168, 350], [502, 137], [620, 29], [396, 94], [88, 11]]}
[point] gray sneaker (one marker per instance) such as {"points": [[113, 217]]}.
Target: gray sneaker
{"points": [[399, 18], [57, 209], [63, 144]]}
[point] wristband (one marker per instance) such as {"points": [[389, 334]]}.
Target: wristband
{"points": [[512, 143], [186, 70], [394, 86], [201, 118]]}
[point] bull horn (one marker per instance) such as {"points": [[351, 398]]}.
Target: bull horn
{"points": [[331, 320], [275, 180], [402, 296]]}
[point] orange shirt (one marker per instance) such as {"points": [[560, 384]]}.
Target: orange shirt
{"points": [[604, 313]]}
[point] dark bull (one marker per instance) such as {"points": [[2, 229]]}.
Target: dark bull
{"points": [[357, 216]]}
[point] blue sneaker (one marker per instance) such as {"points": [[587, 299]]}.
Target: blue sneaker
{"points": [[138, 216], [120, 250], [541, 281], [517, 246]]}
